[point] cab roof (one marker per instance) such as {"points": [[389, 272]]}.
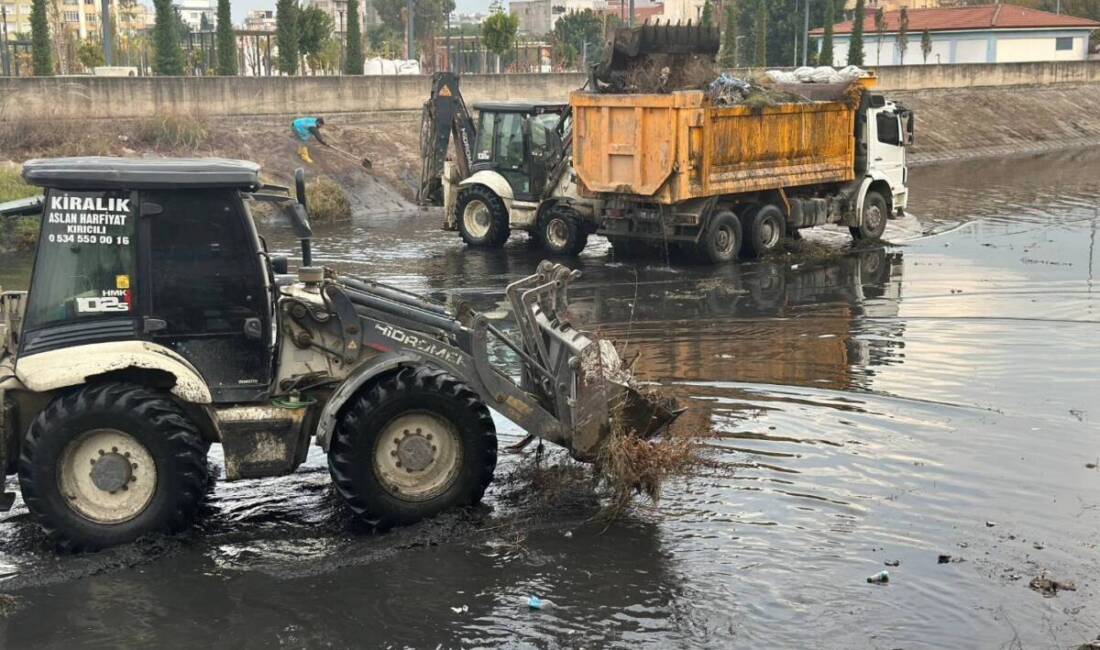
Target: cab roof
{"points": [[521, 107], [107, 173]]}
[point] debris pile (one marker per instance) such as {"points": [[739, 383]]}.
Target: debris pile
{"points": [[823, 74]]}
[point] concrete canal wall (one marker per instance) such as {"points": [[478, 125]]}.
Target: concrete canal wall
{"points": [[963, 110]]}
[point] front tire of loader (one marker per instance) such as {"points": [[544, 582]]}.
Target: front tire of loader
{"points": [[108, 463], [414, 444], [561, 232], [482, 217]]}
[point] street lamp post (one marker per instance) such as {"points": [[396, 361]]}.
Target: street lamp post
{"points": [[806, 34], [105, 18]]}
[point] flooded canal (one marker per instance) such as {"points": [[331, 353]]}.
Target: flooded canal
{"points": [[938, 397]]}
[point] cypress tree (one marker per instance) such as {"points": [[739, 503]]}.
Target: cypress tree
{"points": [[728, 57], [353, 57], [167, 55], [227, 42], [286, 35], [41, 50], [855, 43], [760, 24], [826, 56], [707, 19]]}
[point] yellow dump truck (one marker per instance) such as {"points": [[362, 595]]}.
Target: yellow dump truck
{"points": [[676, 168]]}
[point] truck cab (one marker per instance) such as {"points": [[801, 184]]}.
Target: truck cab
{"points": [[889, 129]]}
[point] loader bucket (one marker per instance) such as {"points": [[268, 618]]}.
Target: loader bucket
{"points": [[630, 47], [594, 394]]}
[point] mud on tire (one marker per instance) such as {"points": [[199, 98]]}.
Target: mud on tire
{"points": [[561, 232], [379, 456], [168, 494], [481, 217]]}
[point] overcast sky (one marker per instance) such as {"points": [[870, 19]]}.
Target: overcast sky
{"points": [[242, 7]]}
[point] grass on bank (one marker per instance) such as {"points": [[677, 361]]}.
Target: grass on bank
{"points": [[19, 233]]}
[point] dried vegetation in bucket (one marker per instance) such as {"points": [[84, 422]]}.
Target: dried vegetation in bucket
{"points": [[641, 452]]}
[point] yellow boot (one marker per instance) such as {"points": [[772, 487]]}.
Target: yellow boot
{"points": [[303, 153]]}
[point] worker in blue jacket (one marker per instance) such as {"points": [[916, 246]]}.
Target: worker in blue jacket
{"points": [[305, 128]]}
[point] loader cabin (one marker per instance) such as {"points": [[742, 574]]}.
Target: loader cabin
{"points": [[154, 250], [521, 141]]}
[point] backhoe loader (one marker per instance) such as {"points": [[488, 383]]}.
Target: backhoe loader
{"points": [[157, 324]]}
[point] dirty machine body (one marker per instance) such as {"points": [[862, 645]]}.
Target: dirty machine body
{"points": [[157, 323]]}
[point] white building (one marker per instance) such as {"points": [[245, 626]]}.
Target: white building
{"points": [[338, 10], [260, 20], [984, 34], [192, 11], [538, 17]]}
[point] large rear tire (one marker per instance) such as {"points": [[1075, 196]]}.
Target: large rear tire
{"points": [[766, 227], [414, 444], [482, 218], [109, 463], [721, 241], [873, 223]]}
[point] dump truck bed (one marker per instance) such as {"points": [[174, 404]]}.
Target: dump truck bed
{"points": [[676, 147]]}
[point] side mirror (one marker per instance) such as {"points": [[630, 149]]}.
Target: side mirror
{"points": [[296, 214], [280, 265], [301, 215]]}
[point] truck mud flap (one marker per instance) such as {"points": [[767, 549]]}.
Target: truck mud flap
{"points": [[6, 498]]}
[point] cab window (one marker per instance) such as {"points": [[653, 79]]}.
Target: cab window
{"points": [[205, 267], [484, 151], [86, 257], [509, 141], [540, 125], [888, 129]]}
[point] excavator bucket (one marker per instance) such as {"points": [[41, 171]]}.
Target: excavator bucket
{"points": [[669, 44], [587, 383]]}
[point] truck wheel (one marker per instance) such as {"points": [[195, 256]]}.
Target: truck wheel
{"points": [[482, 218], [873, 223], [721, 240], [767, 226], [109, 463], [414, 444], [561, 232]]}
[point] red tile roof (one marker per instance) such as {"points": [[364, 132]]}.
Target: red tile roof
{"points": [[968, 18]]}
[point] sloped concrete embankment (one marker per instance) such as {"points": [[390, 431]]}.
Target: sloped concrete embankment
{"points": [[1002, 121]]}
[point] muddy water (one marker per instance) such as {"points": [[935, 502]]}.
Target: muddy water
{"points": [[935, 397]]}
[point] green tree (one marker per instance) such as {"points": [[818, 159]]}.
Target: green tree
{"points": [[227, 41], [286, 36], [825, 57], [880, 29], [760, 34], [314, 29], [707, 19], [903, 34], [41, 48], [383, 41], [204, 23], [353, 57], [90, 54], [498, 33], [429, 17], [572, 32], [926, 44], [167, 55], [728, 55], [855, 43]]}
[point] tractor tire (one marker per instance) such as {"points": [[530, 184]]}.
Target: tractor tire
{"points": [[412, 445], [109, 463], [561, 232], [482, 218], [721, 240], [767, 227], [873, 223]]}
